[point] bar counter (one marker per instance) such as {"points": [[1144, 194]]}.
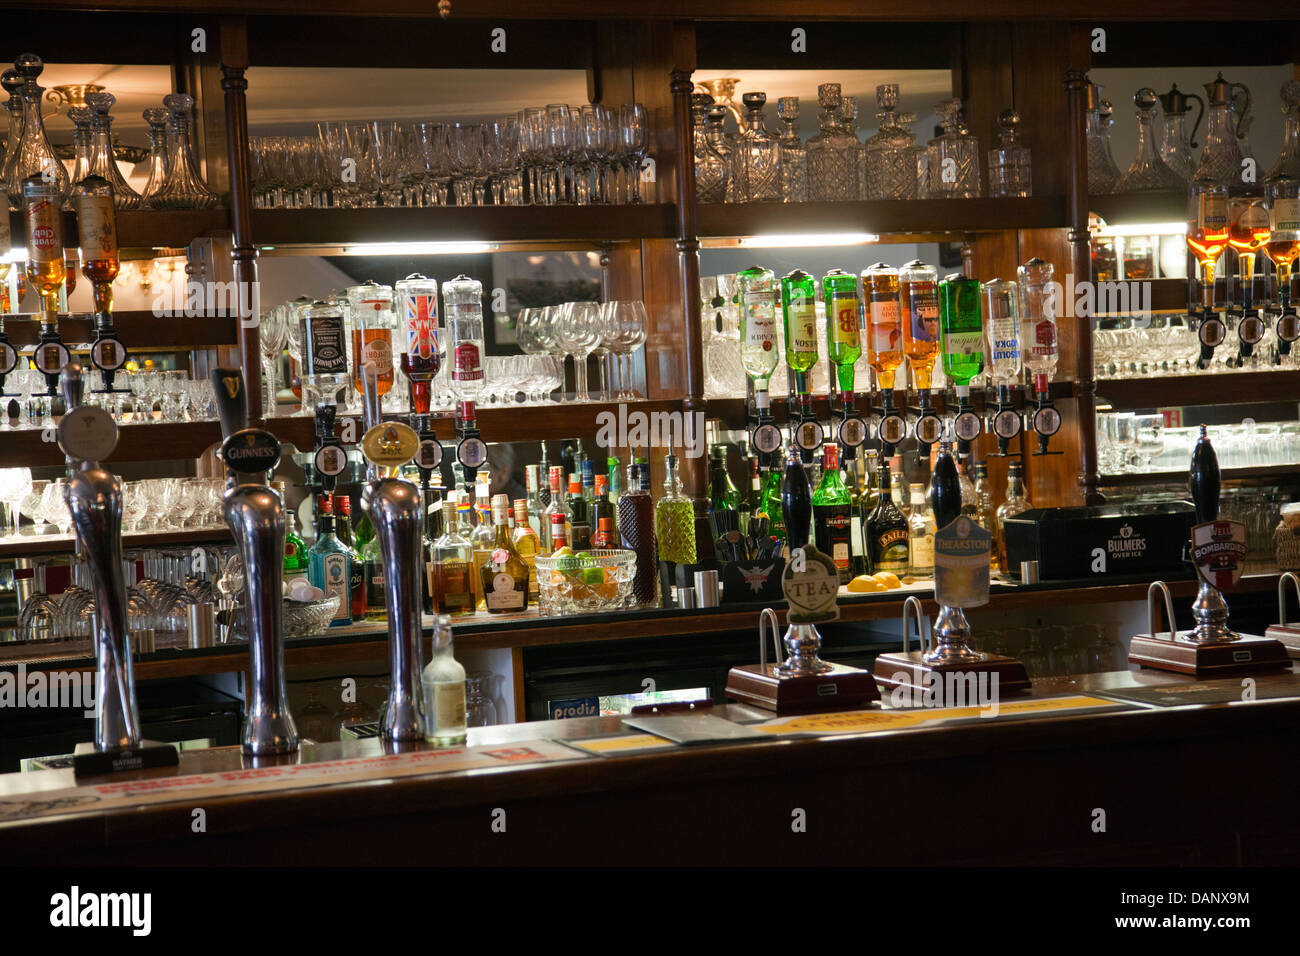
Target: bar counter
{"points": [[1214, 781]]}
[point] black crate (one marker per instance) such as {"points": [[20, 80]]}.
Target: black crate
{"points": [[1099, 542]]}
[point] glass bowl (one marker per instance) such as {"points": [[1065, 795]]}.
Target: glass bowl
{"points": [[598, 580], [309, 619]]}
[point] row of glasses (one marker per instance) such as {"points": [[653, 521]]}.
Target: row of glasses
{"points": [[576, 330], [1175, 349], [1128, 443]]}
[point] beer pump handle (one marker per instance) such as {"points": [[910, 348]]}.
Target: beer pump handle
{"points": [[232, 399], [945, 489], [72, 385], [1204, 482], [326, 414]]}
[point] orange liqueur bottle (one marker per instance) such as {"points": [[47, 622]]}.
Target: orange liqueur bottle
{"points": [[884, 331], [97, 231]]}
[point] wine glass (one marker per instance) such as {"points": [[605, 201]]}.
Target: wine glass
{"points": [[1149, 437], [465, 147], [625, 327], [15, 485], [578, 333], [1125, 436], [634, 140], [559, 149]]}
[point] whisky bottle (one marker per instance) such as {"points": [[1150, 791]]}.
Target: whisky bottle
{"points": [[504, 574], [921, 537], [919, 298], [45, 266], [1015, 504], [453, 591], [833, 514], [843, 344], [887, 531], [527, 544], [1207, 231], [799, 319], [97, 232]]}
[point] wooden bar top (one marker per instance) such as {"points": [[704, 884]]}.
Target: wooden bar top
{"points": [[1201, 782]]}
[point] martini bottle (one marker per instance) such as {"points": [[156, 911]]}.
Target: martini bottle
{"points": [[843, 346], [799, 319], [832, 514], [756, 288]]}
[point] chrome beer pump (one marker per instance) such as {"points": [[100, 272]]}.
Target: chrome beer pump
{"points": [[1218, 551], [397, 512], [87, 434], [255, 514]]}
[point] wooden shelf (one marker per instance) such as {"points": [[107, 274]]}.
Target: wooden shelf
{"points": [[49, 544], [898, 217], [160, 441], [1222, 388], [143, 229], [137, 330], [514, 224], [1286, 473], [1128, 208]]}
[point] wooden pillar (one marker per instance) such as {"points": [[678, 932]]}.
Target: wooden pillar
{"points": [[234, 64], [1079, 60]]}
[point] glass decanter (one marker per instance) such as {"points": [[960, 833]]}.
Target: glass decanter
{"points": [[794, 156], [34, 155], [954, 158], [1288, 162], [102, 161], [81, 117], [756, 162], [1148, 170], [156, 117], [1176, 142], [724, 144], [849, 123], [1103, 174], [832, 153], [711, 169], [1222, 156], [184, 187], [1011, 171], [889, 162], [13, 84], [675, 519]]}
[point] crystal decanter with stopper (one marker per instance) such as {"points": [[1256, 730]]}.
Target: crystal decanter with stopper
{"points": [[82, 117], [889, 162], [1176, 142], [711, 169], [724, 144], [1011, 171], [849, 123], [13, 85], [954, 159], [102, 161], [1103, 174], [34, 156], [156, 117], [1148, 171], [1221, 159], [756, 162], [832, 153], [794, 155], [1288, 162], [184, 187]]}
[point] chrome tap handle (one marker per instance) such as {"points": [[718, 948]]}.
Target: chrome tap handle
{"points": [[255, 515], [94, 499], [72, 385], [232, 399], [395, 509]]}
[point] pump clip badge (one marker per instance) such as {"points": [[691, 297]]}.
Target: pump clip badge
{"points": [[251, 451], [1219, 552], [961, 564], [811, 587], [390, 444]]}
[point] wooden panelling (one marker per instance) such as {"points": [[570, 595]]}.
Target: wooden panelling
{"points": [[1038, 84]]}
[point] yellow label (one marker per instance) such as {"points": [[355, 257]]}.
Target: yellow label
{"points": [[448, 705], [390, 444], [96, 227]]}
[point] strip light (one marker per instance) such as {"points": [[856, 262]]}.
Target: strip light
{"points": [[1144, 229], [418, 248], [801, 240]]}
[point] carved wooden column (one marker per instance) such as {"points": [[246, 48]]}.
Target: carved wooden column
{"points": [[234, 64]]}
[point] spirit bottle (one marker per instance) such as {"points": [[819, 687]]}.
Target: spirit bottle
{"points": [[444, 689], [46, 271], [969, 500], [675, 520], [843, 344], [711, 169], [756, 163], [605, 536], [329, 567], [757, 290], [864, 503], [481, 538], [1103, 174], [832, 153], [325, 355], [961, 332], [1148, 170], [833, 514], [724, 497], [771, 504], [986, 515], [953, 156], [890, 157], [579, 533], [1248, 232], [899, 488], [1175, 139], [1282, 200], [919, 298], [295, 549], [799, 319], [536, 507], [556, 515], [636, 531], [97, 232], [887, 531], [372, 575], [373, 322], [453, 589], [1288, 161], [357, 571], [1039, 348], [1207, 231], [723, 145], [184, 187], [1000, 298], [884, 331], [505, 574], [921, 537], [1010, 170], [156, 119], [794, 156], [527, 544], [417, 304], [462, 300], [1015, 504], [605, 507], [1221, 157]]}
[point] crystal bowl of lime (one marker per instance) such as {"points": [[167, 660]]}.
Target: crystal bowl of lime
{"points": [[580, 582]]}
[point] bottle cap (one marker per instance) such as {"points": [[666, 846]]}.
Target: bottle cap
{"points": [[502, 501], [344, 504], [521, 506], [830, 455], [557, 472], [324, 505]]}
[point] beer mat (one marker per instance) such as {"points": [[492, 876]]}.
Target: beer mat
{"points": [[885, 721], [622, 745], [1228, 690], [695, 729], [115, 795]]}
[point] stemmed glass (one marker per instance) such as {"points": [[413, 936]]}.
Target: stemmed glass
{"points": [[15, 485], [559, 149], [578, 333], [272, 335], [1125, 435], [465, 146], [624, 325], [634, 140], [532, 151], [1149, 437]]}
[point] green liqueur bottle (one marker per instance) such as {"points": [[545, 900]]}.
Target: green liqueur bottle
{"points": [[771, 503], [962, 335], [843, 344], [832, 514], [295, 549], [799, 317], [724, 497]]}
